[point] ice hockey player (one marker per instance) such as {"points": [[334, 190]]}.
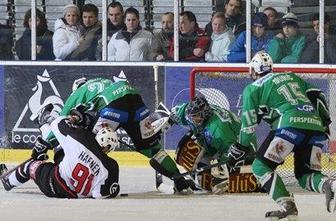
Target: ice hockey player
{"points": [[84, 171], [299, 118], [212, 137], [119, 105]]}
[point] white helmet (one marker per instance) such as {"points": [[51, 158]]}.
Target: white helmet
{"points": [[261, 63], [106, 137], [78, 82]]}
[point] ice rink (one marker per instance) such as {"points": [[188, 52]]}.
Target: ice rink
{"points": [[144, 203]]}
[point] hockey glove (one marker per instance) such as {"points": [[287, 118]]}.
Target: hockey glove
{"points": [[40, 149], [236, 155], [80, 118]]}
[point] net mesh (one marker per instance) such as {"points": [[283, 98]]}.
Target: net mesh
{"points": [[224, 87]]}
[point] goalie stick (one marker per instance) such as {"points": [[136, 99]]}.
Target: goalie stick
{"points": [[208, 167]]}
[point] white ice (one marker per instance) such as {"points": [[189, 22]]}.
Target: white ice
{"points": [[144, 203]]}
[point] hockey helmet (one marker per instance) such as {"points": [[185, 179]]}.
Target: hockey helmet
{"points": [[198, 110], [261, 64], [107, 138]]}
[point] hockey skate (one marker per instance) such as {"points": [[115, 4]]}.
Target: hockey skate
{"points": [[4, 180], [329, 190], [288, 210]]}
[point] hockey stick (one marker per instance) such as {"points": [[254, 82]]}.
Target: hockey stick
{"points": [[243, 169], [6, 173]]}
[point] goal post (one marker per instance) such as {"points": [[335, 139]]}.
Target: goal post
{"points": [[223, 86]]}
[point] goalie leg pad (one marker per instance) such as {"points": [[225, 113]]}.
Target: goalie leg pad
{"points": [[205, 180], [188, 152], [243, 183]]}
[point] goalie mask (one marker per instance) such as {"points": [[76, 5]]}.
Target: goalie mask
{"points": [[107, 139], [198, 110], [260, 65]]}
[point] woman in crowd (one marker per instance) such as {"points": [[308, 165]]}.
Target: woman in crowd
{"points": [[67, 34]]}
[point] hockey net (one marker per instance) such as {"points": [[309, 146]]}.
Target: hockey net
{"points": [[223, 86]]}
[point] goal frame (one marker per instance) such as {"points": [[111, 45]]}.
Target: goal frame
{"points": [[313, 69]]}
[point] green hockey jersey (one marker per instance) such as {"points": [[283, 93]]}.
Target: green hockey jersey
{"points": [[281, 100], [96, 94], [216, 134]]}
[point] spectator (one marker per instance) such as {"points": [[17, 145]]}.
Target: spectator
{"points": [[311, 52], [86, 50], [193, 41], [6, 42], [67, 34], [287, 47], [221, 39], [115, 22], [165, 36], [131, 43], [44, 50], [234, 19], [260, 39], [273, 22]]}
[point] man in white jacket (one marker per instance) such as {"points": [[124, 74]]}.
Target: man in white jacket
{"points": [[131, 43]]}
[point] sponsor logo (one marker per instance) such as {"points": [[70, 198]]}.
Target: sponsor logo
{"points": [[305, 120], [190, 152], [279, 148], [288, 133], [114, 189], [243, 182], [20, 132], [305, 108]]}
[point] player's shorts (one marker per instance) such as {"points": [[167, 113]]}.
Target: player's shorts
{"points": [[133, 110], [50, 183], [306, 145]]}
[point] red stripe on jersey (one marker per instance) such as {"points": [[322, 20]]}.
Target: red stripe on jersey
{"points": [[62, 184]]}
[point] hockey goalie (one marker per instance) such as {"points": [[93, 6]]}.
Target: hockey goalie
{"points": [[213, 138]]}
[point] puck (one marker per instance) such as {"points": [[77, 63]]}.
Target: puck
{"points": [[124, 194]]}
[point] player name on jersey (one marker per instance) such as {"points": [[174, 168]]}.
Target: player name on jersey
{"points": [[87, 159]]}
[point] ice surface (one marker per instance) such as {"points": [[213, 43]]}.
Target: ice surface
{"points": [[144, 203]]}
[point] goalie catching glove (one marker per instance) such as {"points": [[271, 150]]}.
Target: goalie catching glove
{"points": [[40, 150]]}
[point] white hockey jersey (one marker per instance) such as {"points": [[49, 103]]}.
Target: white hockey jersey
{"points": [[85, 169]]}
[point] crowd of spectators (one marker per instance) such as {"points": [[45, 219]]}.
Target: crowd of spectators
{"points": [[77, 36]]}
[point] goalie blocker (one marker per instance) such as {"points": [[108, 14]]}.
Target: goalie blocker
{"points": [[189, 155]]}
